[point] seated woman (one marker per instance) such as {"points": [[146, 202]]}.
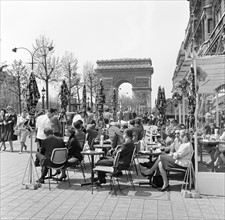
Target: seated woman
{"points": [[179, 159], [74, 152], [219, 155]]}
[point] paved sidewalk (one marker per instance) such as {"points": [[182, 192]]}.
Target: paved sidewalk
{"points": [[76, 202]]}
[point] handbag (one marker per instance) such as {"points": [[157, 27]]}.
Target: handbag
{"points": [[157, 181]]}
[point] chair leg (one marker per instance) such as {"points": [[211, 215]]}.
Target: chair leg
{"points": [[139, 164], [82, 169], [49, 173], [68, 177], [131, 179], [135, 166], [113, 184]]}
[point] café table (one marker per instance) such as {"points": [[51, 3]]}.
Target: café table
{"points": [[103, 146], [91, 153], [210, 143]]}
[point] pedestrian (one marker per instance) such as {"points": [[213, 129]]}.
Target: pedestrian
{"points": [[55, 124], [10, 123], [2, 129], [22, 130]]}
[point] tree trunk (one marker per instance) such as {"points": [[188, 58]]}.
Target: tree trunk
{"points": [[91, 95], [19, 92], [46, 84], [69, 100], [78, 95]]}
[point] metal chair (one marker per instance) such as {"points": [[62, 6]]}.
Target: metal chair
{"points": [[181, 170], [110, 170], [59, 157], [128, 169]]}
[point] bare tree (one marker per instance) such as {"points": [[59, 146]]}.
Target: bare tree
{"points": [[91, 79], [69, 68], [18, 78], [47, 64]]}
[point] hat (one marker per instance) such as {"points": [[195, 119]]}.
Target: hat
{"points": [[9, 108]]}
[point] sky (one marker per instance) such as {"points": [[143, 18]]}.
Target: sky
{"points": [[98, 30]]}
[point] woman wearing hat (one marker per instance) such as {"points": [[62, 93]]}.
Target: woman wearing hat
{"points": [[11, 120], [2, 129]]}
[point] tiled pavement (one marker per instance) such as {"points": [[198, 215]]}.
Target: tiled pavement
{"points": [[76, 202]]}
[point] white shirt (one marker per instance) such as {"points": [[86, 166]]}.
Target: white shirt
{"points": [[183, 154], [76, 118], [42, 122]]}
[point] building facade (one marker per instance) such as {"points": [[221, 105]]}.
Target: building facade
{"points": [[202, 57]]}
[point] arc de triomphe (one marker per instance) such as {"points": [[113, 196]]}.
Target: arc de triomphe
{"points": [[137, 72]]}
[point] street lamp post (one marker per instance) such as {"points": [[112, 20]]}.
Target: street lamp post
{"points": [[32, 54], [43, 98], [50, 48]]}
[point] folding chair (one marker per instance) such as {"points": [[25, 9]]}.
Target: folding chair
{"points": [[181, 170], [110, 170], [59, 157], [128, 169]]}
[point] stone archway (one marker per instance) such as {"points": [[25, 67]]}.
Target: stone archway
{"points": [[137, 72]]}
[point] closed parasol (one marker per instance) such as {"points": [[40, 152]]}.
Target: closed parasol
{"points": [[32, 95], [101, 99], [114, 103], [64, 97], [84, 105]]}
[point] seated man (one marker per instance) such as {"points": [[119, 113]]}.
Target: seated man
{"points": [[126, 151], [115, 134], [48, 145], [80, 135]]}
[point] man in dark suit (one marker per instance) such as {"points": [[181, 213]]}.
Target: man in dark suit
{"points": [[126, 151], [115, 134], [48, 145]]}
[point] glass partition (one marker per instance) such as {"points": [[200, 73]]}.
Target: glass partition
{"points": [[211, 132]]}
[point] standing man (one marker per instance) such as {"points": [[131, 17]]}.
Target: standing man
{"points": [[44, 156], [42, 122], [55, 124]]}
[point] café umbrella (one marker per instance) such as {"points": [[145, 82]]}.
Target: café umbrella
{"points": [[101, 100], [32, 97], [114, 103], [84, 106], [64, 97]]}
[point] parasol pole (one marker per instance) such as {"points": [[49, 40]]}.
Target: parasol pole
{"points": [[196, 123], [30, 127]]}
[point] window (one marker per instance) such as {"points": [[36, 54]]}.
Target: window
{"points": [[210, 25]]}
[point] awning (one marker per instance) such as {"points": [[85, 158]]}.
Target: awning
{"points": [[214, 66], [181, 72]]}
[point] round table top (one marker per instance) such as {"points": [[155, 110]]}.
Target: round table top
{"points": [[150, 153], [102, 146], [92, 152], [206, 141], [152, 144]]}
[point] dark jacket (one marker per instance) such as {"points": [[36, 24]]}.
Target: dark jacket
{"points": [[115, 135], [49, 144], [127, 149], [74, 148]]}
